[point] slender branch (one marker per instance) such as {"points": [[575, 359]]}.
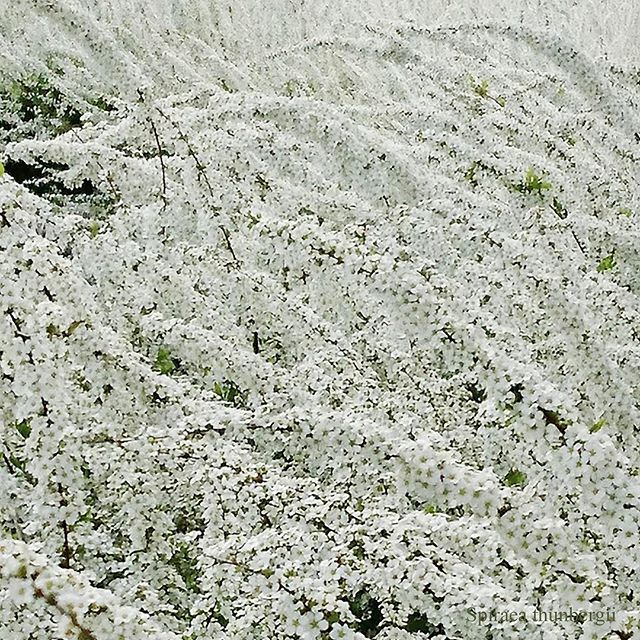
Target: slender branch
{"points": [[16, 324], [202, 174], [578, 243], [13, 468], [66, 549], [161, 156], [112, 186], [227, 240], [50, 599]]}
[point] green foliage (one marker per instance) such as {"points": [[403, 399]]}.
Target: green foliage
{"points": [[18, 465], [187, 567], [367, 612], [94, 228], [52, 330], [419, 623], [164, 363], [357, 548], [24, 428], [33, 97], [554, 419], [42, 178], [515, 478], [333, 618], [225, 85], [229, 391], [1, 169], [290, 88], [532, 183], [269, 346], [598, 425], [481, 88], [470, 174], [102, 104], [32, 105], [567, 136], [606, 264], [625, 211], [559, 209], [187, 521]]}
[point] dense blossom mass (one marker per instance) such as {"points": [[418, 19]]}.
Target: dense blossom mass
{"points": [[337, 341]]}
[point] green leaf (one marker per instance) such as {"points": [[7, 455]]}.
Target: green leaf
{"points": [[164, 363], [367, 611], [419, 623], [333, 618], [559, 209], [470, 174], [606, 264], [533, 182], [52, 331], [597, 426], [19, 463], [230, 392], [482, 88], [515, 478], [73, 326], [625, 211], [1, 169], [185, 562], [24, 428]]}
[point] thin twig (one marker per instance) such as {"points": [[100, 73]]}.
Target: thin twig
{"points": [[50, 599], [578, 243], [201, 173], [227, 240], [114, 191], [13, 468], [192, 153], [161, 156], [66, 549]]}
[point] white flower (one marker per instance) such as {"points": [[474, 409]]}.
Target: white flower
{"points": [[20, 592], [341, 632]]}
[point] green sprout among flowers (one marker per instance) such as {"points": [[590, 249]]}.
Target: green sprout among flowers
{"points": [[533, 183]]}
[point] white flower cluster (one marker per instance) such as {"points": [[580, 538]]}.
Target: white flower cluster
{"points": [[342, 342], [41, 598]]}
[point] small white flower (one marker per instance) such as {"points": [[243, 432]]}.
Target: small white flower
{"points": [[20, 592], [341, 632]]}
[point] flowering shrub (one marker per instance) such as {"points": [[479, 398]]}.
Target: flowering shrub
{"points": [[319, 344]]}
